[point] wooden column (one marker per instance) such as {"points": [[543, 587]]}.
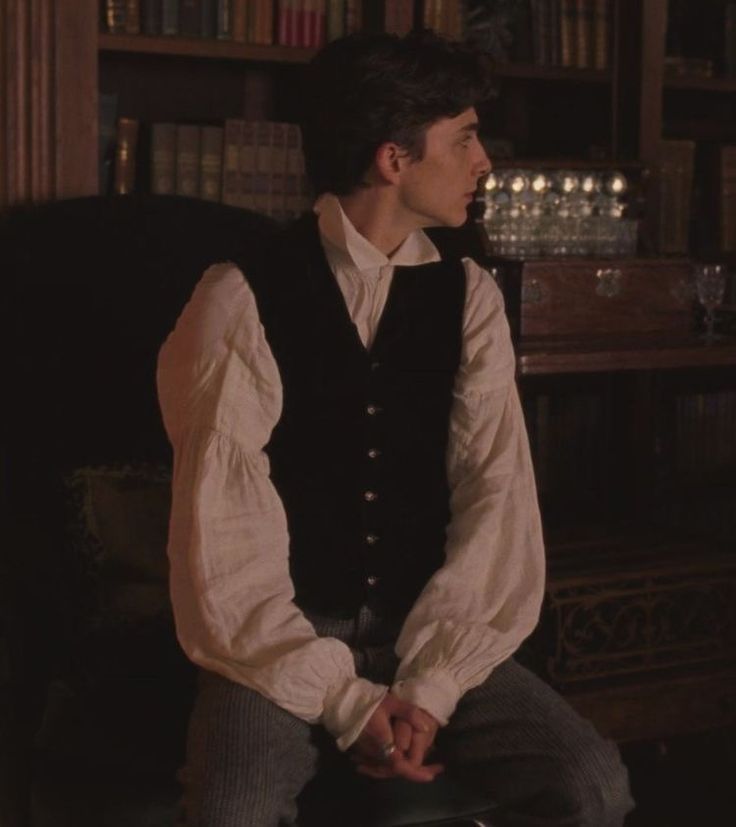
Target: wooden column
{"points": [[48, 99]]}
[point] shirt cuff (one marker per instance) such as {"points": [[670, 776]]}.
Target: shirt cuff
{"points": [[435, 691], [348, 707]]}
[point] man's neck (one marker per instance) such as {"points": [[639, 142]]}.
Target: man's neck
{"points": [[374, 214]]}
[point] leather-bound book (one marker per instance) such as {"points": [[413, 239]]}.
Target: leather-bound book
{"points": [[187, 159], [125, 156], [210, 164], [163, 158]]}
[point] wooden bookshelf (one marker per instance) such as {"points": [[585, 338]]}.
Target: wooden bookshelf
{"points": [[201, 48], [560, 356], [553, 74], [695, 84]]}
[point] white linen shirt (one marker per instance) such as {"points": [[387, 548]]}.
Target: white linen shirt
{"points": [[220, 395]]}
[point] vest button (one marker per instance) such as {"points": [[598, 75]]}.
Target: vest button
{"points": [[372, 410], [375, 365], [372, 539], [371, 580], [369, 496], [373, 453]]}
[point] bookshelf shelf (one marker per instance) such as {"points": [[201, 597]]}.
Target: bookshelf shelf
{"points": [[201, 48], [645, 352], [693, 84], [531, 71]]}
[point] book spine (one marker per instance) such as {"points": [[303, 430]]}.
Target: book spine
{"points": [[190, 18], [353, 16], [163, 159], [335, 19], [583, 34], [152, 17], [263, 166], [294, 172], [266, 19], [728, 199], [208, 19], [554, 18], [125, 156], [539, 23], [601, 33], [108, 107], [170, 17], [132, 17], [239, 20], [277, 199], [231, 162], [285, 22], [676, 178], [247, 156], [729, 51], [568, 28], [210, 168], [187, 159], [115, 16], [224, 20]]}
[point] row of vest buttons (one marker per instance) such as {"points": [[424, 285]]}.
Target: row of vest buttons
{"points": [[370, 496]]}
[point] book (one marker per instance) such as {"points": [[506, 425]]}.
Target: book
{"points": [[170, 17], [675, 191], [335, 23], [353, 16], [568, 32], [554, 16], [107, 132], [728, 199], [163, 158], [399, 16], [239, 17], [210, 163], [187, 159], [208, 19], [729, 46], [132, 17], [151, 17], [260, 22], [115, 16], [286, 23], [583, 21], [224, 20], [540, 31], [276, 206], [601, 25], [231, 161], [247, 156], [190, 18], [126, 143]]}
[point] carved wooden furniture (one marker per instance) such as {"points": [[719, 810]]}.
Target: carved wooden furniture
{"points": [[632, 420]]}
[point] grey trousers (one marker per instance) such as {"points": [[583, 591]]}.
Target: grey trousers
{"points": [[513, 736]]}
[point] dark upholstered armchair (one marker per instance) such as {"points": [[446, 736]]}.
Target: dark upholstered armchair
{"points": [[97, 693]]}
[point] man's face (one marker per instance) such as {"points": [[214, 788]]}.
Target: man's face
{"points": [[437, 189]]}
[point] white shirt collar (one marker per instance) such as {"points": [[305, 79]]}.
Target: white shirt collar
{"points": [[347, 248]]}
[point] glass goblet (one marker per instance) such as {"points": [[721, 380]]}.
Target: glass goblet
{"points": [[710, 285]]}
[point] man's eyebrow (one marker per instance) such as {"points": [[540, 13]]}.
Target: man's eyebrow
{"points": [[470, 127]]}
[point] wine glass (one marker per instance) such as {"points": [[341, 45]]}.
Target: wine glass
{"points": [[710, 284]]}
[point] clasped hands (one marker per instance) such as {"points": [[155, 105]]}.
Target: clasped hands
{"points": [[410, 729]]}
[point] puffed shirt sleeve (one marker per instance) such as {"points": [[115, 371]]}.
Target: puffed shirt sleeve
{"points": [[481, 604], [232, 595]]}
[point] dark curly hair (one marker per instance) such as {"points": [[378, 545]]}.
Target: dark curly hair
{"points": [[365, 89]]}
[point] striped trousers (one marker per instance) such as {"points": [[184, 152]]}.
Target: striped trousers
{"points": [[513, 736]]}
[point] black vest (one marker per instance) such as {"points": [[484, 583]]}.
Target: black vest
{"points": [[358, 456]]}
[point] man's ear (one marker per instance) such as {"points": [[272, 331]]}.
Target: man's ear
{"points": [[390, 160]]}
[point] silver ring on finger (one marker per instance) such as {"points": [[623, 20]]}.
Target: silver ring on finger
{"points": [[387, 750]]}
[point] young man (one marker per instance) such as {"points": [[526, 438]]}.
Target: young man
{"points": [[355, 540]]}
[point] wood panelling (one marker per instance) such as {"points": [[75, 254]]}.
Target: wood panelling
{"points": [[48, 99]]}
